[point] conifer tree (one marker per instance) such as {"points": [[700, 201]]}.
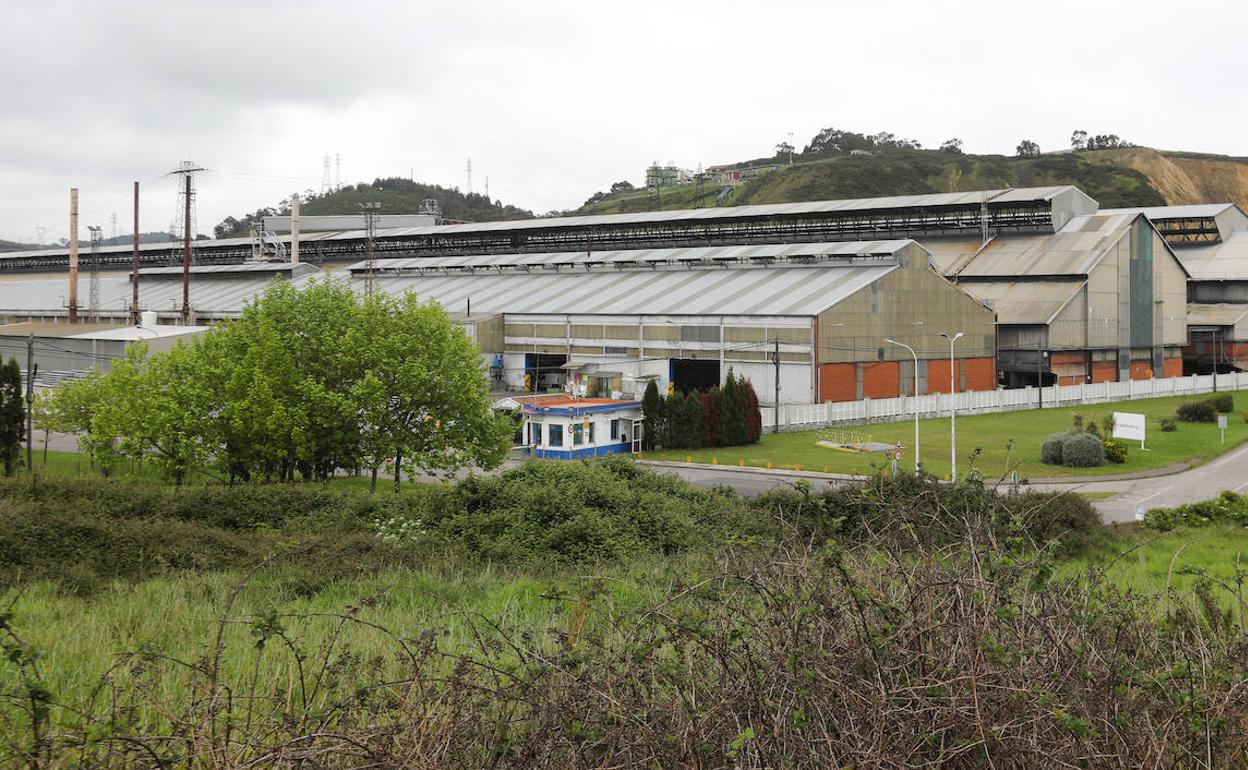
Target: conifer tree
{"points": [[12, 415]]}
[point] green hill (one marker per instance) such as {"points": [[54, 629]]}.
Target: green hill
{"points": [[396, 196], [898, 171]]}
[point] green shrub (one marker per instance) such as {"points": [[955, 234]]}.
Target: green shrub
{"points": [[1169, 426], [1107, 425], [1077, 421], [1051, 449], [1223, 402], [1115, 451], [1094, 429], [1226, 507], [1196, 411], [1082, 450]]}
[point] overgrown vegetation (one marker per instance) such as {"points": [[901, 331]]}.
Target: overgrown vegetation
{"points": [[903, 621], [1227, 508]]}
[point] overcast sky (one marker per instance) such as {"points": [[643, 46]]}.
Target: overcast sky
{"points": [[554, 101]]}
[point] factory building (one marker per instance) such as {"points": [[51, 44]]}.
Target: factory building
{"points": [[814, 314], [1102, 299], [1211, 240]]}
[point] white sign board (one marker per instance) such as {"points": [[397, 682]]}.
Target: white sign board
{"points": [[1129, 426], [1222, 421]]}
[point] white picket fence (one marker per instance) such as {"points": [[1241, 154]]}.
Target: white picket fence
{"points": [[810, 416]]}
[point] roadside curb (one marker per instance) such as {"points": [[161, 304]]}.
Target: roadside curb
{"points": [[1169, 470], [783, 472]]}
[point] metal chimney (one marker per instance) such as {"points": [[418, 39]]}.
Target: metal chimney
{"points": [[294, 228], [73, 254]]}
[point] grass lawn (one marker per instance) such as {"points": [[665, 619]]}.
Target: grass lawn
{"points": [[80, 638], [993, 434], [1148, 562]]}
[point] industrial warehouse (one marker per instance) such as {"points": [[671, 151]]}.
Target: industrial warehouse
{"points": [[813, 302]]}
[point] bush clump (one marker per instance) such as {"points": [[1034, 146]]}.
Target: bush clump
{"points": [[1226, 507], [1115, 450], [1083, 450], [1223, 402], [1169, 426], [1051, 449], [1196, 411]]}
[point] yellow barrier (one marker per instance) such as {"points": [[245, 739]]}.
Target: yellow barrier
{"points": [[769, 465], [741, 462], [688, 458], [714, 461], [797, 467]]}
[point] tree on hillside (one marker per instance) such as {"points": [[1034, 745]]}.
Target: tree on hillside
{"points": [[953, 145], [1107, 142], [834, 141], [12, 415], [1027, 148], [1079, 139], [622, 186]]}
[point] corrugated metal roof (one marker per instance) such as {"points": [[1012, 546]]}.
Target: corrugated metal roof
{"points": [[931, 200], [793, 290], [271, 268], [1217, 314], [1225, 261], [786, 289], [711, 254], [1073, 250], [1024, 302], [1188, 211]]}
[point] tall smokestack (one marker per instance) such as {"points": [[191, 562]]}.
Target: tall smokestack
{"points": [[134, 278], [294, 228], [73, 254]]}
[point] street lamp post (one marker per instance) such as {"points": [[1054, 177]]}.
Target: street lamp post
{"points": [[953, 426], [915, 408]]}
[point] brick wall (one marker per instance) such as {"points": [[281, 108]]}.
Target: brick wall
{"points": [[1172, 367], [1104, 371], [1142, 369], [881, 379], [838, 382], [981, 373]]}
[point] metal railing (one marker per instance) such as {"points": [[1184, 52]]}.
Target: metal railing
{"points": [[811, 416]]}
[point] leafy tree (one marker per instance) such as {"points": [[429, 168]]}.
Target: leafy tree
{"points": [[952, 145], [12, 415], [622, 186], [1079, 139], [753, 415], [1027, 148], [45, 417], [652, 416], [710, 417], [732, 412]]}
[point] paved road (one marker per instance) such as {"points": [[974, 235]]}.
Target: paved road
{"points": [[1200, 483]]}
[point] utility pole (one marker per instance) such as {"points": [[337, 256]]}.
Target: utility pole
{"points": [[73, 255], [187, 169], [370, 229], [953, 426], [134, 269], [31, 371], [93, 292], [775, 358]]}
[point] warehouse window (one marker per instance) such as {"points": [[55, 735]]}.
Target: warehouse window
{"points": [[875, 298], [578, 434], [555, 436], [615, 430], [699, 333], [879, 354]]}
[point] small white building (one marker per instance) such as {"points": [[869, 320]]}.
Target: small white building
{"points": [[571, 428]]}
